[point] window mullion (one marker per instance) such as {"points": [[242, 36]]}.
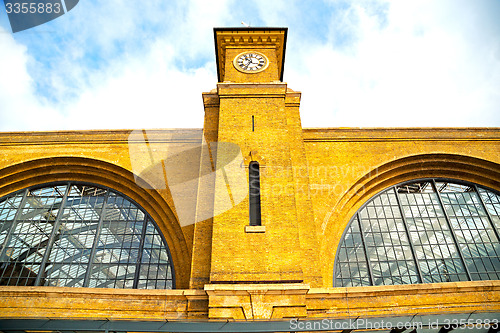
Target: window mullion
{"points": [[139, 255], [368, 264], [407, 229], [487, 213], [86, 280], [14, 225], [459, 249], [50, 243], [71, 262]]}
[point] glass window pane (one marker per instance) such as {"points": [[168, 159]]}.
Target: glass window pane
{"points": [[77, 235], [442, 254]]}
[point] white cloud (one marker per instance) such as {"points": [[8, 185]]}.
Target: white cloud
{"points": [[367, 63], [417, 70], [137, 85], [195, 36], [19, 107], [147, 93]]}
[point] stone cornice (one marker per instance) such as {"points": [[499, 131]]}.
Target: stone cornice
{"points": [[310, 135], [113, 137], [401, 134]]}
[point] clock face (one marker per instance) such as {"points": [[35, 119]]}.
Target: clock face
{"points": [[250, 62]]}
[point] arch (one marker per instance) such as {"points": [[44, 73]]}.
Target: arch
{"points": [[460, 167], [79, 169], [81, 234], [422, 231]]}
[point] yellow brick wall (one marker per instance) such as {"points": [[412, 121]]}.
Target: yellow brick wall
{"points": [[241, 256], [249, 302], [268, 75], [325, 175], [202, 243]]}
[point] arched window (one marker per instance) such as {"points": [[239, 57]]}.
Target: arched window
{"points": [[431, 230], [80, 235]]}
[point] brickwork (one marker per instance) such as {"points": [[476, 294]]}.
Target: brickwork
{"points": [[249, 302]]}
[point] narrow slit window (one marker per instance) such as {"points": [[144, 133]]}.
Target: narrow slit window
{"points": [[254, 181], [253, 124]]}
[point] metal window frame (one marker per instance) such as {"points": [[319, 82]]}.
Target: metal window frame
{"points": [[432, 180], [407, 231], [452, 231], [365, 248], [147, 219], [495, 229]]}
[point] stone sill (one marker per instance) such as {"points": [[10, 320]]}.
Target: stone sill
{"points": [[255, 229]]}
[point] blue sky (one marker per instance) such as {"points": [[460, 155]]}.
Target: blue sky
{"points": [[144, 64]]}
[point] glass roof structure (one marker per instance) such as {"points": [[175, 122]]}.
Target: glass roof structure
{"points": [[425, 231], [80, 235]]}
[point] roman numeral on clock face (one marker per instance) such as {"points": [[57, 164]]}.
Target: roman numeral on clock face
{"points": [[250, 62]]}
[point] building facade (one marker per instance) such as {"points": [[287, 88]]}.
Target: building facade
{"points": [[251, 221]]}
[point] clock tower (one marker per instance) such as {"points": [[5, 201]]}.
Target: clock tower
{"points": [[269, 237], [256, 51]]}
